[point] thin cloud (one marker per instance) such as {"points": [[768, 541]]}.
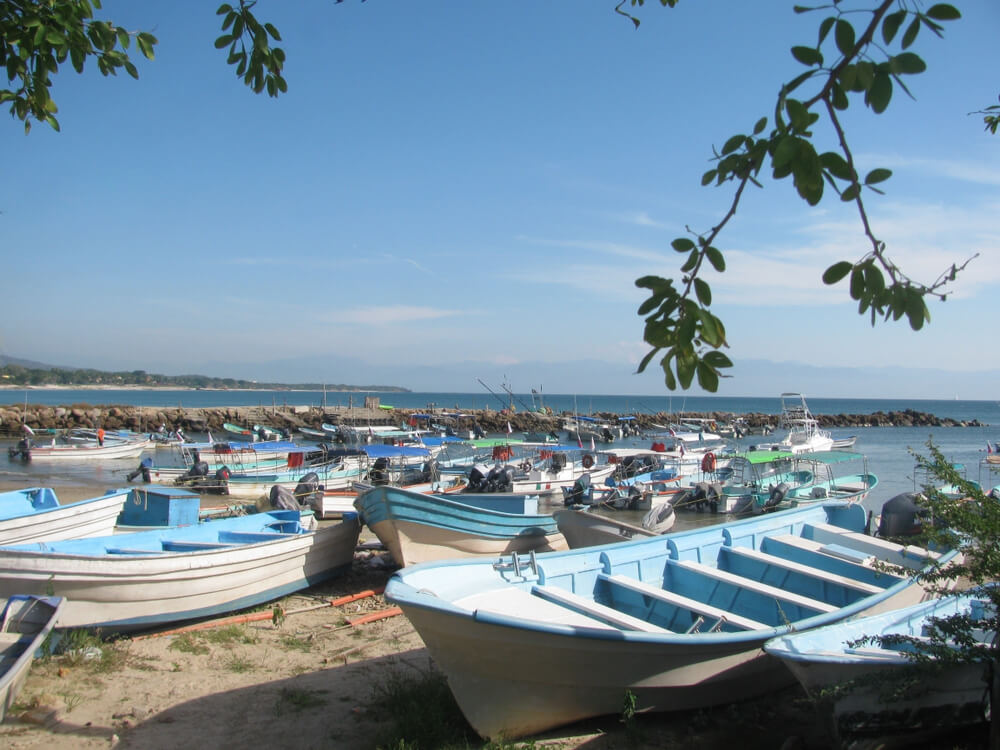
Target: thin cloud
{"points": [[378, 315], [976, 173]]}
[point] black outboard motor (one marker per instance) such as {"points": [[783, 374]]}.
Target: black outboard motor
{"points": [[777, 495], [478, 431], [558, 461], [901, 516], [379, 473], [144, 469], [500, 479], [477, 479], [606, 434], [431, 472], [581, 493], [308, 491], [22, 450], [281, 498]]}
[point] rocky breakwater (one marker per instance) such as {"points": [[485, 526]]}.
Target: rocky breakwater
{"points": [[149, 419]]}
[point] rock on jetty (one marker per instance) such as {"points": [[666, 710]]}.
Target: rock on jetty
{"points": [[149, 419]]}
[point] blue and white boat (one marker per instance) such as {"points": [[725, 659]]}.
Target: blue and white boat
{"points": [[147, 578], [678, 621], [25, 622], [34, 514], [418, 527], [870, 681]]}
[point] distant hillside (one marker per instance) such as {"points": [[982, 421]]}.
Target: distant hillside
{"points": [[24, 372]]}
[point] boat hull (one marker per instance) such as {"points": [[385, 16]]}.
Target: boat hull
{"points": [[87, 518], [132, 591], [531, 645], [586, 529], [26, 624]]}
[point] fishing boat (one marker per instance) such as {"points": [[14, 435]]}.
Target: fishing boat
{"points": [[417, 527], [25, 623], [866, 674], [148, 578], [802, 431], [585, 528], [34, 514], [551, 471], [829, 480], [70, 447], [243, 433], [753, 482], [677, 621]]}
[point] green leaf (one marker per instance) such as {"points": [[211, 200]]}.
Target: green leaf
{"points": [[824, 28], [224, 8], [645, 360], [907, 63], [839, 98], [733, 143], [836, 272], [691, 262], [682, 245], [910, 35], [273, 32], [223, 41], [703, 291], [943, 12], [668, 377], [836, 165], [708, 177], [715, 258], [807, 55], [891, 24], [878, 175], [880, 93], [857, 283], [707, 377], [718, 360], [759, 126], [844, 36], [712, 332], [851, 192]]}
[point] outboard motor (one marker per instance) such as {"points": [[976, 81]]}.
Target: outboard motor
{"points": [[379, 473], [660, 518], [901, 516], [558, 461], [606, 434], [477, 479], [308, 491], [777, 495], [144, 466], [500, 479], [581, 493], [431, 472], [281, 498], [22, 450], [478, 431]]}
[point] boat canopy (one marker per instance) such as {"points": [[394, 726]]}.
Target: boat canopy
{"points": [[830, 457], [378, 450]]}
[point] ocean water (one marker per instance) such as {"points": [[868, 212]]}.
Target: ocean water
{"points": [[889, 451]]}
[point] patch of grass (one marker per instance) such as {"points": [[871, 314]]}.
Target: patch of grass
{"points": [[418, 712], [292, 699], [296, 644], [229, 635], [83, 648], [188, 643], [71, 700], [239, 663]]}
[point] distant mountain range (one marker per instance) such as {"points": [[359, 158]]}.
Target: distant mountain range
{"points": [[750, 377]]}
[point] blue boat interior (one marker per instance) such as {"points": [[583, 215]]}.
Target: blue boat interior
{"points": [[217, 534], [753, 582]]}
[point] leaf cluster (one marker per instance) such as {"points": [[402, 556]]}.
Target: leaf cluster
{"points": [[261, 66], [37, 37]]}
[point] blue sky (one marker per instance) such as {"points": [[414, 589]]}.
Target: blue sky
{"points": [[457, 187]]}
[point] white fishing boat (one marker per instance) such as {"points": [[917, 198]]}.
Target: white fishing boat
{"points": [[69, 447], [802, 430], [678, 621], [34, 514], [587, 528], [147, 578]]}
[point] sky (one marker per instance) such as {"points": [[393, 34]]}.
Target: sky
{"points": [[451, 188]]}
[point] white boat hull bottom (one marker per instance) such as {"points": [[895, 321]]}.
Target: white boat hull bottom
{"points": [[514, 682], [74, 521], [410, 543]]}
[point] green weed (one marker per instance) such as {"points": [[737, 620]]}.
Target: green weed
{"points": [[418, 713], [189, 644], [291, 699]]}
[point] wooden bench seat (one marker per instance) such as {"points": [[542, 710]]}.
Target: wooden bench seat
{"points": [[183, 545], [909, 555], [823, 575], [132, 551], [684, 602], [595, 609], [749, 584]]}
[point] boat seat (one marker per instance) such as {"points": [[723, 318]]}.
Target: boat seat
{"points": [[772, 592], [677, 600], [594, 609], [133, 551], [909, 554], [250, 537], [780, 562], [183, 545]]}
